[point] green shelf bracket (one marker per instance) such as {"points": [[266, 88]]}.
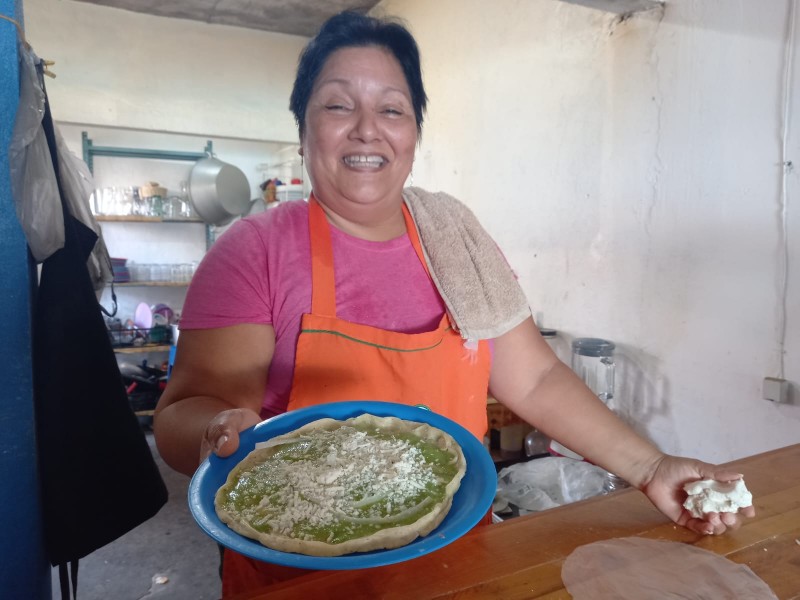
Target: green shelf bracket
{"points": [[90, 151]]}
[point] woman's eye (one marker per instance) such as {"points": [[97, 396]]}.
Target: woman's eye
{"points": [[336, 107], [392, 111]]}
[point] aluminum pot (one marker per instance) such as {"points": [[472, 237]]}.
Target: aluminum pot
{"points": [[219, 192]]}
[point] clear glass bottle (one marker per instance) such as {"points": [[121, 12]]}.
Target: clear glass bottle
{"points": [[156, 206]]}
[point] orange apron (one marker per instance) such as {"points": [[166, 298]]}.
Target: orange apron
{"points": [[338, 360]]}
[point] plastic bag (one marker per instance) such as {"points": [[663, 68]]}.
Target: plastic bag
{"points": [[33, 179], [77, 184], [548, 482]]}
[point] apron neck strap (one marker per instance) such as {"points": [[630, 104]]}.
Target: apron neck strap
{"points": [[323, 281], [413, 235]]}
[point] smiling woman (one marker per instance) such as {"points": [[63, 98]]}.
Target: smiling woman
{"points": [[358, 141], [351, 296]]}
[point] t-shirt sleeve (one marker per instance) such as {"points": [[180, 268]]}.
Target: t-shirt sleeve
{"points": [[231, 284]]}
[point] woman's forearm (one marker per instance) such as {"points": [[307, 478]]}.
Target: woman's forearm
{"points": [[562, 407], [529, 379], [215, 371], [179, 428]]}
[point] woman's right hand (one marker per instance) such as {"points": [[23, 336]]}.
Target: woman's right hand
{"points": [[216, 389], [222, 433]]}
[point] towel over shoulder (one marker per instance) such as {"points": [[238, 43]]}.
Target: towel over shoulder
{"points": [[483, 297]]}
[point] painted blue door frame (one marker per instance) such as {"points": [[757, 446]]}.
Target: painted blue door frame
{"points": [[24, 571]]}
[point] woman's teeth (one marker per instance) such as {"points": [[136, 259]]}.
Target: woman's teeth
{"points": [[364, 161]]}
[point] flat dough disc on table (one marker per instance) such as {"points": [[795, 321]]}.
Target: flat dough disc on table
{"points": [[636, 568]]}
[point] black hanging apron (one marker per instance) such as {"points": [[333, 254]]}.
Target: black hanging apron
{"points": [[98, 477]]}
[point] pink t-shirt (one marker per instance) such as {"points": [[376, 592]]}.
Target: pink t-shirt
{"points": [[259, 272]]}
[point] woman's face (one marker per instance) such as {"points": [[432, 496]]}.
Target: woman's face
{"points": [[360, 130]]}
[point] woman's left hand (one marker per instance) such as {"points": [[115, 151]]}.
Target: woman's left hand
{"points": [[665, 491]]}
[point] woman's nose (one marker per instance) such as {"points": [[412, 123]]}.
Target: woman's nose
{"points": [[365, 127]]}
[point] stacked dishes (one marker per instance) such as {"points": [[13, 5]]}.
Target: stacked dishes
{"points": [[121, 272]]}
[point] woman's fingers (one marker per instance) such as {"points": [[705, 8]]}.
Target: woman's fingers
{"points": [[222, 432], [718, 523], [725, 475]]}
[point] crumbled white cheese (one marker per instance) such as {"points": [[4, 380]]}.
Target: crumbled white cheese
{"points": [[710, 496], [352, 473]]}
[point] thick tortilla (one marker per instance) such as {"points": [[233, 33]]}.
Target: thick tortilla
{"points": [[326, 473]]}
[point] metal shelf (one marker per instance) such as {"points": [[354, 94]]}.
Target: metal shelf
{"points": [[141, 349], [151, 283], [143, 219], [90, 151]]}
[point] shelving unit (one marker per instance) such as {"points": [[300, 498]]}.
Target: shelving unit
{"points": [[152, 284], [90, 151], [145, 348], [142, 219]]}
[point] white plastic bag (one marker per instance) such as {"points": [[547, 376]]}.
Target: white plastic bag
{"points": [[548, 482], [77, 184], [33, 179]]}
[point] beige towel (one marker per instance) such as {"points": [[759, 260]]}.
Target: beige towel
{"points": [[481, 292]]}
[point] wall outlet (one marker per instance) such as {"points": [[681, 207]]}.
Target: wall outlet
{"points": [[776, 390]]}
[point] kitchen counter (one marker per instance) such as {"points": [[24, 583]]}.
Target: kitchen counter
{"points": [[522, 557]]}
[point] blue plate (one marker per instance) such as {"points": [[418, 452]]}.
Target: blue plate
{"points": [[470, 504]]}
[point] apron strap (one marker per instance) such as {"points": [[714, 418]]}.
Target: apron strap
{"points": [[323, 282], [413, 235], [64, 577]]}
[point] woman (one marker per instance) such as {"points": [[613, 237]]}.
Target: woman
{"points": [[359, 102]]}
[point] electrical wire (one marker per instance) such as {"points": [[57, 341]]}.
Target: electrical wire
{"points": [[786, 170]]}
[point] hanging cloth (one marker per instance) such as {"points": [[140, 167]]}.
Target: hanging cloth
{"points": [[98, 477], [33, 179]]}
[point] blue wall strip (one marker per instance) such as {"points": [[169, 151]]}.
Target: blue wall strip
{"points": [[24, 571]]}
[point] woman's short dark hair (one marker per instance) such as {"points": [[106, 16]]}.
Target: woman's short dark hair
{"points": [[350, 29]]}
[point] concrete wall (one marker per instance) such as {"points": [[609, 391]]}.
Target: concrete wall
{"points": [[24, 571], [126, 69], [631, 172]]}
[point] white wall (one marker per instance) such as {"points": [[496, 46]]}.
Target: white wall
{"points": [[125, 69], [136, 81], [631, 173]]}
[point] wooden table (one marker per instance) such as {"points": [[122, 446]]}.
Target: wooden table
{"points": [[522, 558]]}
